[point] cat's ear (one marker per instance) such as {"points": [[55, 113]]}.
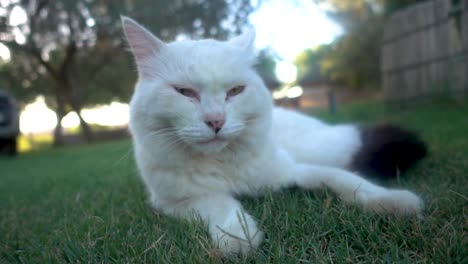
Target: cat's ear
{"points": [[143, 44], [244, 41]]}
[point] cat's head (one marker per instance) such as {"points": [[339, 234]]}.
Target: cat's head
{"points": [[196, 94]]}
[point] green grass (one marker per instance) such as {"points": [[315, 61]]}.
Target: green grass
{"points": [[86, 204]]}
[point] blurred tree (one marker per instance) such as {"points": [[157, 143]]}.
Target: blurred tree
{"points": [[309, 63], [72, 51], [353, 60], [266, 64]]}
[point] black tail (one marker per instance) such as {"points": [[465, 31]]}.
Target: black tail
{"points": [[387, 151]]}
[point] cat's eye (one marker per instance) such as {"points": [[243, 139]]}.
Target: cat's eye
{"points": [[235, 91], [187, 92]]}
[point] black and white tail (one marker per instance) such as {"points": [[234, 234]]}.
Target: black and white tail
{"points": [[387, 151]]}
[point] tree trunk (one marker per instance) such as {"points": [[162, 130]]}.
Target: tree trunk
{"points": [[58, 131], [85, 128], [68, 85]]}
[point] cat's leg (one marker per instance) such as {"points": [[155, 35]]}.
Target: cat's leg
{"points": [[231, 229], [354, 189]]}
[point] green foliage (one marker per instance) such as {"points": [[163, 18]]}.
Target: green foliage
{"points": [[355, 57], [266, 64], [309, 65], [87, 204], [353, 60]]}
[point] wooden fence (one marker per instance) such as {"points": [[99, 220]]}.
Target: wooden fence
{"points": [[425, 51]]}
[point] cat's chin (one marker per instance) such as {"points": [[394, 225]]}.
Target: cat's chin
{"points": [[210, 147]]}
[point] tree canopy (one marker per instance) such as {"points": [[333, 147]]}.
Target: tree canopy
{"points": [[353, 60], [266, 64]]}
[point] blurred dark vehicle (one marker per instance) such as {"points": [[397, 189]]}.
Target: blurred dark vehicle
{"points": [[9, 124]]}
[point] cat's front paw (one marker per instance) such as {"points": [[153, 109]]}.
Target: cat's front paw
{"points": [[398, 202], [238, 237]]}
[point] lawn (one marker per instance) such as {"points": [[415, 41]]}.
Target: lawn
{"points": [[86, 204]]}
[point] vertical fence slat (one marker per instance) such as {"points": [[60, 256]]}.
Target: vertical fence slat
{"points": [[425, 52]]}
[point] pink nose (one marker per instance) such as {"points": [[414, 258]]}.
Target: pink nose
{"points": [[215, 124]]}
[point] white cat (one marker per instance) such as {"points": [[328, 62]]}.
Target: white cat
{"points": [[204, 130]]}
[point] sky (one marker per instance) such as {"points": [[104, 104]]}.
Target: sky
{"points": [[290, 26], [286, 26]]}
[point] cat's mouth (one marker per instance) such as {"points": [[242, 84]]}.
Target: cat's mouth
{"points": [[214, 140], [211, 146]]}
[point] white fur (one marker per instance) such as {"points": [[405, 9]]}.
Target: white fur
{"points": [[259, 147]]}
